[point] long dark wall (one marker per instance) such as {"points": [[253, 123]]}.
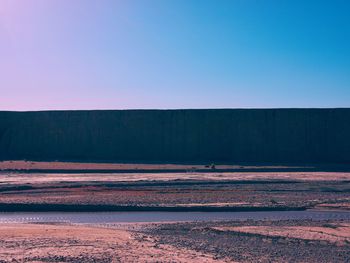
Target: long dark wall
{"points": [[227, 135]]}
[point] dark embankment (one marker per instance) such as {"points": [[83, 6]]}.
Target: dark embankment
{"points": [[227, 135]]}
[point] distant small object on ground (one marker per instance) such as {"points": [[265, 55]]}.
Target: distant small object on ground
{"points": [[211, 166]]}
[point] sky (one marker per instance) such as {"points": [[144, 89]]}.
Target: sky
{"points": [[171, 54]]}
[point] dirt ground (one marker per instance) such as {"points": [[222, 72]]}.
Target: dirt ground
{"points": [[262, 241], [225, 241], [252, 187], [22, 177], [84, 244], [333, 233], [229, 190]]}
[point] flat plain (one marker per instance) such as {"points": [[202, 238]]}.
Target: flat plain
{"points": [[58, 186]]}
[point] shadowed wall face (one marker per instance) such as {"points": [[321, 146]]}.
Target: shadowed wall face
{"points": [[276, 135]]}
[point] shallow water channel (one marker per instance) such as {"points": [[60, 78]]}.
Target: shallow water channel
{"points": [[133, 217]]}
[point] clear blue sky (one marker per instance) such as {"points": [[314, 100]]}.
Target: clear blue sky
{"points": [[101, 54]]}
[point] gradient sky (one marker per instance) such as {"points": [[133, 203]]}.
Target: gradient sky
{"points": [[101, 54]]}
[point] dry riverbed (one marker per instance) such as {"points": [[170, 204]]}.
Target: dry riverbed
{"points": [[247, 241], [27, 185], [225, 190]]}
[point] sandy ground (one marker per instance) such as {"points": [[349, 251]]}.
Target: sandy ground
{"points": [[291, 190], [333, 233], [243, 241], [250, 241], [68, 243], [262, 241], [337, 206], [130, 172], [22, 178], [178, 193]]}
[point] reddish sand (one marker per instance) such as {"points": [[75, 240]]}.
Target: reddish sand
{"points": [[241, 173], [22, 178], [282, 189], [67, 243]]}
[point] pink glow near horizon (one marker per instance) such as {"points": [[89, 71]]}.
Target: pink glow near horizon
{"points": [[88, 54]]}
